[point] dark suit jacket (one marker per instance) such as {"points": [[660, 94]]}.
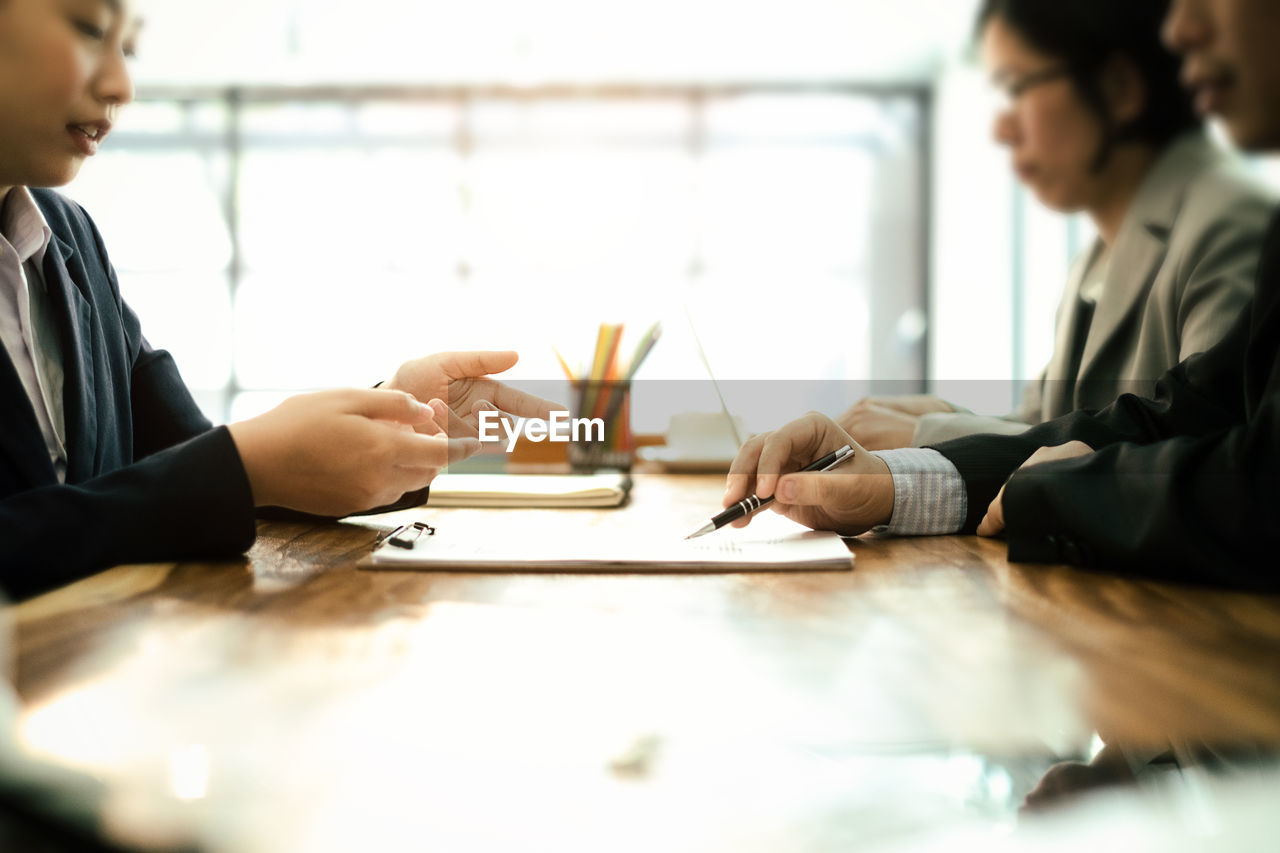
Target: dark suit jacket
{"points": [[1185, 486], [148, 478]]}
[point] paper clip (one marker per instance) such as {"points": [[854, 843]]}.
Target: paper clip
{"points": [[406, 534]]}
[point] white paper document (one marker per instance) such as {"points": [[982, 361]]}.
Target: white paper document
{"points": [[771, 542]]}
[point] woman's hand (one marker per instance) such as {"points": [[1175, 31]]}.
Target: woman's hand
{"points": [[885, 423], [339, 452], [461, 380], [849, 499]]}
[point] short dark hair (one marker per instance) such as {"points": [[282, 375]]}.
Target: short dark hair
{"points": [[1087, 34]]}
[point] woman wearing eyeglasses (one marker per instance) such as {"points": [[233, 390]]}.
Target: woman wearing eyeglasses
{"points": [[1096, 121]]}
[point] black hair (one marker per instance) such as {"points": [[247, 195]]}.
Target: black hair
{"points": [[1086, 35]]}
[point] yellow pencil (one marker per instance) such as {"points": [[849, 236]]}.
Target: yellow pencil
{"points": [[592, 384], [564, 365]]}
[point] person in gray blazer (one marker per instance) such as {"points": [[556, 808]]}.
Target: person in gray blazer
{"points": [[1096, 121]]}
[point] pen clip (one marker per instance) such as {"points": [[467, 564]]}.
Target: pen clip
{"points": [[406, 535], [841, 455]]}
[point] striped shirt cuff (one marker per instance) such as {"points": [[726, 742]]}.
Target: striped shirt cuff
{"points": [[929, 497]]}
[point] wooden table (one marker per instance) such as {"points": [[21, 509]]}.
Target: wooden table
{"points": [[292, 701]]}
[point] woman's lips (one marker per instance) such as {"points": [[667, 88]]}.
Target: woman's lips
{"points": [[86, 137]]}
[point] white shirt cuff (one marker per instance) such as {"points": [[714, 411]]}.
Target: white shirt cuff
{"points": [[929, 497]]}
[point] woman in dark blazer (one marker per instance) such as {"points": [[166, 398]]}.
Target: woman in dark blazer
{"points": [[104, 456]]}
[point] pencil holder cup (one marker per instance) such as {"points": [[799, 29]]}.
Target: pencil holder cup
{"points": [[600, 426]]}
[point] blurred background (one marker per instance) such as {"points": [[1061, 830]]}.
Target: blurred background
{"points": [[308, 192]]}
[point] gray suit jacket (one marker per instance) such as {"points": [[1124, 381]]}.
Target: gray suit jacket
{"points": [[1181, 271]]}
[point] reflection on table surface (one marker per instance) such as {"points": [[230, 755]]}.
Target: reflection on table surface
{"points": [[934, 694]]}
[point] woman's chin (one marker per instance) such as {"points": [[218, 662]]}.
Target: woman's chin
{"points": [[57, 174], [1057, 201]]}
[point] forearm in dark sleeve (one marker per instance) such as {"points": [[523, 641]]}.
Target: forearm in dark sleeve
{"points": [[1200, 396], [190, 501], [164, 412], [1200, 509]]}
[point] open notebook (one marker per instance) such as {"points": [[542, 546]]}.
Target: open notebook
{"points": [[530, 490], [770, 543]]}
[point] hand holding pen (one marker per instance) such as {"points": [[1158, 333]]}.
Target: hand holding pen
{"points": [[753, 503], [851, 500]]}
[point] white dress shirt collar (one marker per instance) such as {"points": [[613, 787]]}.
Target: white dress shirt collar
{"points": [[23, 226]]}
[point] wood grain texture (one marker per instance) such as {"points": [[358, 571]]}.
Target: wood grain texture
{"points": [[290, 661]]}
